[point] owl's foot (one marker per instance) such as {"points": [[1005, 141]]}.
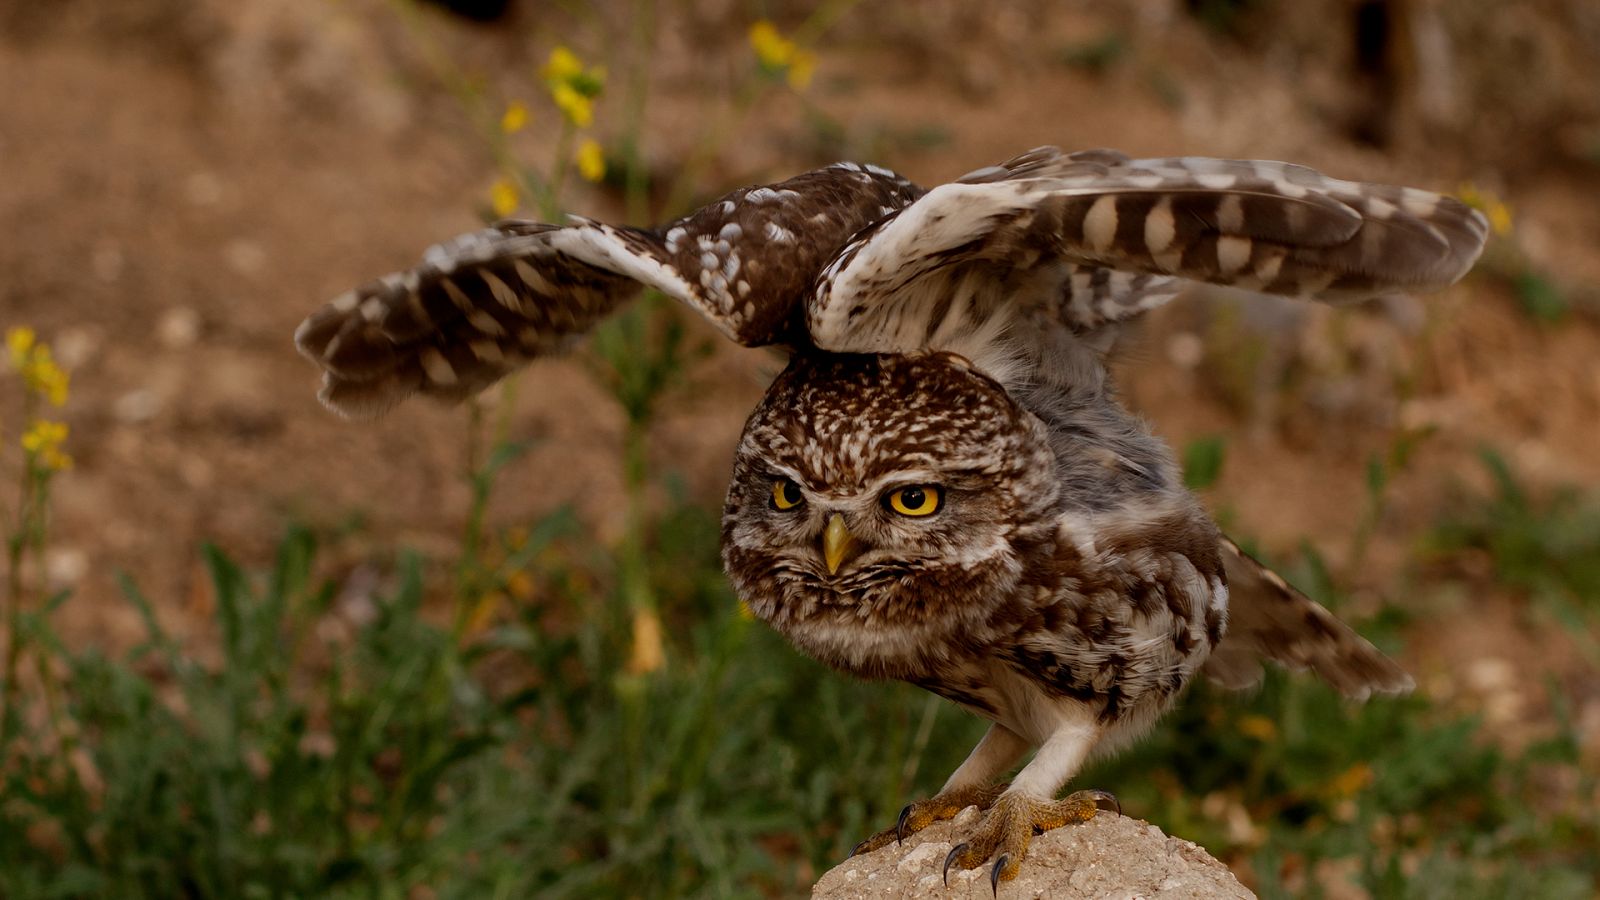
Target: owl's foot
{"points": [[1005, 832], [923, 813]]}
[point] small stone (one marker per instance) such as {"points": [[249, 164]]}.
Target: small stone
{"points": [[179, 327], [136, 406], [247, 257], [197, 472], [923, 855], [65, 566], [76, 346], [202, 189], [106, 261], [1185, 349]]}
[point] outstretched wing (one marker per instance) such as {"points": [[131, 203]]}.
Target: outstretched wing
{"points": [[1269, 620], [1096, 237], [485, 303]]}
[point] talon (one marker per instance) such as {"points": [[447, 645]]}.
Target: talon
{"points": [[950, 858], [900, 825], [994, 873], [1104, 797], [857, 849]]}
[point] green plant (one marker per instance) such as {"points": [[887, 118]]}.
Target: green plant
{"points": [[1202, 461], [27, 602], [1548, 549], [319, 759]]}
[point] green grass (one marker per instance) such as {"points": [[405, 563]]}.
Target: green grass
{"points": [[521, 761], [1548, 549]]}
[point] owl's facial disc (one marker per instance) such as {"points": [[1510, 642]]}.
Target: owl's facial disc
{"points": [[881, 490]]}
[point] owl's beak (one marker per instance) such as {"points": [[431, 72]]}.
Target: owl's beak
{"points": [[837, 542]]}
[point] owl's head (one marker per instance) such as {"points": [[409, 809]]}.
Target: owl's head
{"points": [[884, 507]]}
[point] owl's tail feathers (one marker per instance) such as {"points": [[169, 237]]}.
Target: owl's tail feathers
{"points": [[1269, 620], [472, 311]]}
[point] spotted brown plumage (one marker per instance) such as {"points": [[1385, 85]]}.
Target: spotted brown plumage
{"points": [[1097, 237], [486, 303], [943, 487]]}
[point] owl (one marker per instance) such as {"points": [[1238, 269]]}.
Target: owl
{"points": [[942, 486]]}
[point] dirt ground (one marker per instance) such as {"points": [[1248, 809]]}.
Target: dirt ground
{"points": [[184, 181]]}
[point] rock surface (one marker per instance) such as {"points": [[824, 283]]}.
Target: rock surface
{"points": [[1109, 856]]}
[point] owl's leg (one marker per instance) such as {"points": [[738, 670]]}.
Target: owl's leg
{"points": [[1028, 805], [970, 785]]}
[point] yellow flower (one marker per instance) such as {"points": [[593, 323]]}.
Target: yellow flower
{"points": [[482, 613], [773, 49], [37, 366], [563, 65], [801, 69], [780, 55], [514, 119], [503, 198], [19, 340], [43, 441], [572, 87], [591, 160], [1500, 218], [1486, 202], [1351, 780], [517, 537], [648, 653], [44, 433], [1259, 727], [520, 585], [578, 109], [45, 377]]}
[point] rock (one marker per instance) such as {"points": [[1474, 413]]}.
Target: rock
{"points": [[1109, 856]]}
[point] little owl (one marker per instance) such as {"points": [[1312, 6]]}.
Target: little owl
{"points": [[942, 486]]}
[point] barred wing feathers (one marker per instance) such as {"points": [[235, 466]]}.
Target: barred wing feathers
{"points": [[1097, 237], [1269, 620], [479, 306]]}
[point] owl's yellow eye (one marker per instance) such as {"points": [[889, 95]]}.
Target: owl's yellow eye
{"points": [[786, 494], [915, 500]]}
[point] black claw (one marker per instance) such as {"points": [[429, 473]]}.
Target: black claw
{"points": [[994, 873], [949, 858], [900, 825], [1105, 797], [857, 850]]}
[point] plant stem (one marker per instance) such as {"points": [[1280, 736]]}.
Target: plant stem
{"points": [[16, 544], [638, 596], [638, 85], [468, 569], [558, 172]]}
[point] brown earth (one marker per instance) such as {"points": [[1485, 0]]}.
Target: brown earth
{"points": [[184, 181]]}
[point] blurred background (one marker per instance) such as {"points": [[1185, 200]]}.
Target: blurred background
{"points": [[252, 650]]}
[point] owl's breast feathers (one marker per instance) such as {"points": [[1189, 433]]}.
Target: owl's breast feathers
{"points": [[1120, 623]]}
